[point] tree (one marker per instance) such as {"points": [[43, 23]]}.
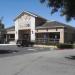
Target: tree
{"points": [[65, 7], [1, 31], [1, 24]]}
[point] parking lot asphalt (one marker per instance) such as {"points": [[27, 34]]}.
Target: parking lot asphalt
{"points": [[41, 62], [14, 50]]}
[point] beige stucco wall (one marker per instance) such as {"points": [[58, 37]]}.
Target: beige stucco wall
{"points": [[61, 35], [16, 30], [61, 30], [11, 32]]}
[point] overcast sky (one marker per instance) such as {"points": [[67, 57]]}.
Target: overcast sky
{"points": [[9, 9]]}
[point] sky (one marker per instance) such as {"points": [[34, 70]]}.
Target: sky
{"points": [[9, 9]]}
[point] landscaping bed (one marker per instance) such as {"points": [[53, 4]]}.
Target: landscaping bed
{"points": [[65, 46]]}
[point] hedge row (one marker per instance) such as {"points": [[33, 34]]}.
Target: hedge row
{"points": [[65, 46], [59, 45]]}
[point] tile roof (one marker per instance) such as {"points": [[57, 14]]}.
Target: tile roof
{"points": [[10, 28], [53, 24]]}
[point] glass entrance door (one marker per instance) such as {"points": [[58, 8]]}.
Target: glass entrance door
{"points": [[26, 37]]}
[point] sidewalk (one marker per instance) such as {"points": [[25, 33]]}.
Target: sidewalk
{"points": [[45, 46], [7, 44]]}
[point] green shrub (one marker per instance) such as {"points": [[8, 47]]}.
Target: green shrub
{"points": [[65, 46]]}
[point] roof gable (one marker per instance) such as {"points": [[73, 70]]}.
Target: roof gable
{"points": [[29, 13]]}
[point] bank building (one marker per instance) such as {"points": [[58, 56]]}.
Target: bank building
{"points": [[38, 29]]}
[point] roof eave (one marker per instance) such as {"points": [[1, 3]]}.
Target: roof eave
{"points": [[50, 27]]}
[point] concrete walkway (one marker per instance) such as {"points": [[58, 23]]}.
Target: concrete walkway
{"points": [[42, 63]]}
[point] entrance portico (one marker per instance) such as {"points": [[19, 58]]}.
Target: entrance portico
{"points": [[25, 26]]}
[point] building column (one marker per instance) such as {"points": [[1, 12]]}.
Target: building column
{"points": [[16, 31], [33, 29], [62, 36], [6, 39]]}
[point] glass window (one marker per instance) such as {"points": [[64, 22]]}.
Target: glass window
{"points": [[12, 36]]}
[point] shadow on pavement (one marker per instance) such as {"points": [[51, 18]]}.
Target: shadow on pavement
{"points": [[13, 51], [7, 51], [71, 57]]}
